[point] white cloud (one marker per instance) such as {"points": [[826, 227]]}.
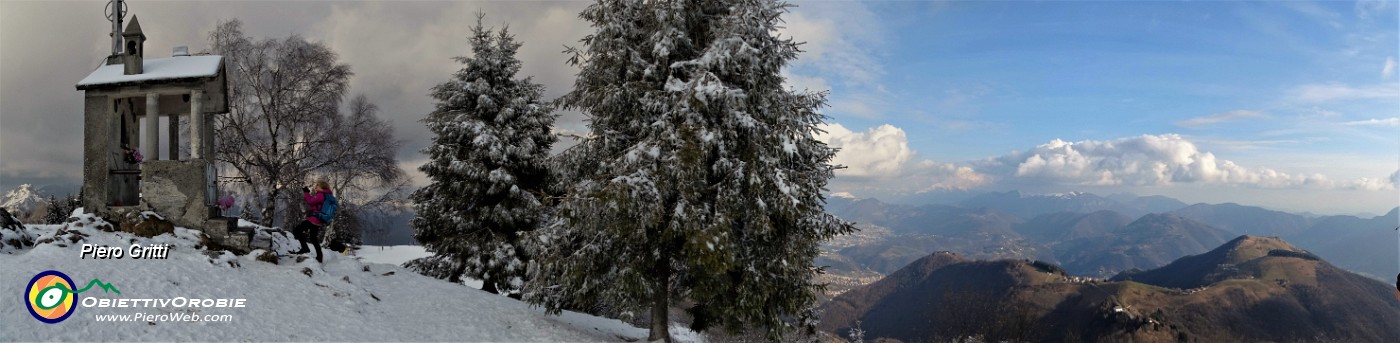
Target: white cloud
{"points": [[816, 34], [931, 176], [1219, 118], [805, 82], [1389, 183], [880, 161], [397, 64], [840, 43], [836, 40], [880, 151], [1337, 91], [1389, 69], [1369, 184], [1147, 160], [1391, 122], [858, 105], [1321, 112]]}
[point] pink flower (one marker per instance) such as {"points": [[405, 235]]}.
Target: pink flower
{"points": [[226, 202]]}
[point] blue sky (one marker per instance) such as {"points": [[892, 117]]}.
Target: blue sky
{"points": [[1300, 88], [1288, 105]]}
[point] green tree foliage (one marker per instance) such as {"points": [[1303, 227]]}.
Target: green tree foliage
{"points": [[489, 166], [701, 178]]}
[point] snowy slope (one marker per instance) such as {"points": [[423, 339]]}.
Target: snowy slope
{"points": [[399, 254], [393, 254], [342, 300]]}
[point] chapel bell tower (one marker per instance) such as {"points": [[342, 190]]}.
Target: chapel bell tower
{"points": [[135, 47]]}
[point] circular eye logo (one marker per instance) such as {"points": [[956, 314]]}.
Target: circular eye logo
{"points": [[50, 296]]}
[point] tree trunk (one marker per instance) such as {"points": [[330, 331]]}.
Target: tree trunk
{"points": [[270, 208], [660, 306], [489, 287], [457, 271]]}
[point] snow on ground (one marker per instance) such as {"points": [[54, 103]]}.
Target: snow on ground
{"points": [[393, 254], [344, 299], [398, 255]]}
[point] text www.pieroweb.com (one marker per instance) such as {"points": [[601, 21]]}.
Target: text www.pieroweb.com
{"points": [[164, 317], [185, 309]]}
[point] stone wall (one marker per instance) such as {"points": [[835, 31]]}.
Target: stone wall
{"points": [[176, 190], [97, 130]]}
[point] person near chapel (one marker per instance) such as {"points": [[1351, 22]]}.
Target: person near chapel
{"points": [[309, 229]]}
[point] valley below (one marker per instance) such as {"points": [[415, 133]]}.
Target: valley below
{"points": [[1090, 268]]}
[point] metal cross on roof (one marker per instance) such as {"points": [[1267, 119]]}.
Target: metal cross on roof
{"points": [[116, 10]]}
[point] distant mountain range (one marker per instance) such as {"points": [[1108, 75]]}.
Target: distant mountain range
{"points": [[1248, 289], [1148, 242], [1364, 245], [1251, 220], [1030, 205], [1102, 243], [1092, 235], [916, 231]]}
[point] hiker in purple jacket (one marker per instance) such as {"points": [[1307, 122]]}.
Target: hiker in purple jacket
{"points": [[310, 229]]}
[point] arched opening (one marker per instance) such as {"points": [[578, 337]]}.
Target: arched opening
{"points": [[124, 176], [131, 47]]}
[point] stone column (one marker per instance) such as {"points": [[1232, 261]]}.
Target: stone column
{"points": [[196, 124], [152, 145], [174, 134], [209, 149]]}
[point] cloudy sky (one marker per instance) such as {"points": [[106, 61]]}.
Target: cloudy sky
{"points": [[1287, 105]]}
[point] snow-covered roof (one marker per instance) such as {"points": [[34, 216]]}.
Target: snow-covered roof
{"points": [[181, 67]]}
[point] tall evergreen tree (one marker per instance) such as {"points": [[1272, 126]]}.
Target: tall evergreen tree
{"points": [[74, 202], [55, 211], [488, 165], [701, 179]]}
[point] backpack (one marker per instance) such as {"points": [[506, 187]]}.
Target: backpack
{"points": [[327, 210]]}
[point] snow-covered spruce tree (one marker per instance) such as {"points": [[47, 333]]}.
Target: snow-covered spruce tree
{"points": [[701, 179], [54, 211], [74, 201], [488, 165]]}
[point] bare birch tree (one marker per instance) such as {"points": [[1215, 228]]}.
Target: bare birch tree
{"points": [[285, 123]]}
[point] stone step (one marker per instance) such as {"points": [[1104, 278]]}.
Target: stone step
{"points": [[225, 232], [239, 243]]}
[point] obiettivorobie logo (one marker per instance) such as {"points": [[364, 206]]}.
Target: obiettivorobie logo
{"points": [[51, 298]]}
